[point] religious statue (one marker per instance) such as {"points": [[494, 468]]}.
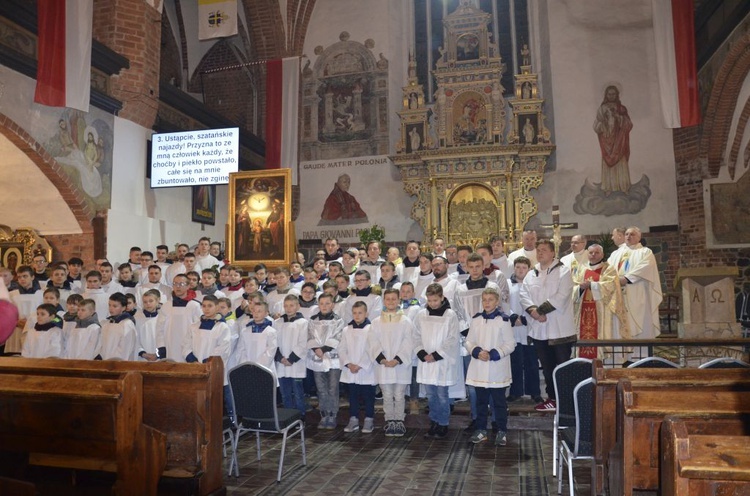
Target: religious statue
{"points": [[525, 55], [528, 132], [415, 140], [613, 126], [413, 101], [526, 91]]}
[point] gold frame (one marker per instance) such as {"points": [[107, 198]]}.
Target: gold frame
{"points": [[24, 240], [245, 247]]}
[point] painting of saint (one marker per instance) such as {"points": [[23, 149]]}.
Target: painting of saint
{"points": [[613, 126], [341, 207], [259, 214], [467, 47]]}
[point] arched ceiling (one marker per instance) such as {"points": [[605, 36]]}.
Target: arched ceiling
{"points": [[28, 198]]}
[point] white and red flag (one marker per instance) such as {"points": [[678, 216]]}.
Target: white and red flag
{"points": [[63, 77], [674, 33], [282, 111]]}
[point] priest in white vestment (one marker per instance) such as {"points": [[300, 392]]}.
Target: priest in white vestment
{"points": [[639, 278]]}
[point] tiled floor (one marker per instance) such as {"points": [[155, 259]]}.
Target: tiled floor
{"points": [[372, 464]]}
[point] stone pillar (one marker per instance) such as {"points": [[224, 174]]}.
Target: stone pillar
{"points": [[707, 310], [132, 29]]}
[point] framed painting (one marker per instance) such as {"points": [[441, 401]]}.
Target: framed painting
{"points": [[260, 211], [204, 204], [11, 255]]}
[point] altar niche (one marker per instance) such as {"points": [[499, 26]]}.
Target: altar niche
{"points": [[474, 214]]}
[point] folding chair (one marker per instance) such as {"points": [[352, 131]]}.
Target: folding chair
{"points": [[253, 388], [565, 377], [653, 363], [725, 363], [577, 442]]}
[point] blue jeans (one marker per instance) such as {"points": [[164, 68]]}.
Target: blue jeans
{"points": [[327, 384], [524, 366], [440, 406], [498, 401], [292, 393], [368, 396]]}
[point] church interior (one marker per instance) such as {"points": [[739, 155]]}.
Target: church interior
{"points": [[453, 120]]}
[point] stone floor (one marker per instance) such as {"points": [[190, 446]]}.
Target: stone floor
{"points": [[372, 464]]}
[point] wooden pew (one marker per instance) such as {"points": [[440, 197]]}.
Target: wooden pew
{"points": [[605, 392], [184, 401], [698, 464], [91, 420], [634, 462]]}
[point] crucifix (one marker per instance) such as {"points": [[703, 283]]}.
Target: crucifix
{"points": [[556, 227]]}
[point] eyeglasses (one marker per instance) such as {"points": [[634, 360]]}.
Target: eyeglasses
{"points": [[180, 284]]}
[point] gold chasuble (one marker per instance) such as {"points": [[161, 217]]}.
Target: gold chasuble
{"points": [[596, 307]]}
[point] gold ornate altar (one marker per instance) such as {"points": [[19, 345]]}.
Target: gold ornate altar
{"points": [[472, 160], [20, 246]]}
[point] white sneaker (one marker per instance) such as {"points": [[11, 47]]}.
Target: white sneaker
{"points": [[353, 425], [369, 425]]}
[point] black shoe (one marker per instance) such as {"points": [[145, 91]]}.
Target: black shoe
{"points": [[511, 398], [431, 431], [441, 431], [538, 399], [470, 428]]}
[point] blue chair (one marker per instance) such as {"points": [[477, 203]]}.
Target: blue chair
{"points": [[725, 363], [653, 363], [253, 388], [577, 442], [566, 377]]}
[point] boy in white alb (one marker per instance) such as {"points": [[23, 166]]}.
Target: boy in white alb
{"points": [[146, 325], [436, 346], [467, 303], [257, 339], [180, 311], [524, 364], [119, 338], [44, 339], [323, 337], [391, 349], [291, 335], [208, 337], [26, 298], [276, 297], [95, 292], [490, 342], [83, 342], [357, 370]]}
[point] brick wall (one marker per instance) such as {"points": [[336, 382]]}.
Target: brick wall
{"points": [[65, 246], [133, 29], [699, 154]]}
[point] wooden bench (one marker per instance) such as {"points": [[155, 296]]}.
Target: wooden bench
{"points": [[634, 462], [89, 420], [605, 391], [698, 464], [184, 401]]}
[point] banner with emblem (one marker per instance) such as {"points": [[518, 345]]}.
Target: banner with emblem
{"points": [[217, 18]]}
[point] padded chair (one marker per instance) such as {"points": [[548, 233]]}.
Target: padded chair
{"points": [[253, 388], [566, 377], [653, 363], [725, 363], [577, 442], [227, 432]]}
